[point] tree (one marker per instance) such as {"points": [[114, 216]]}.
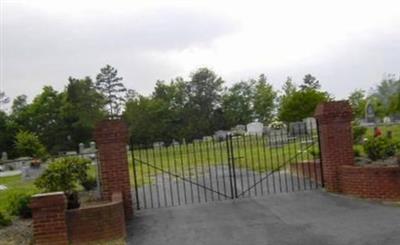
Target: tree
{"points": [[82, 109], [264, 100], [109, 84], [204, 91], [28, 144], [44, 118], [302, 103], [237, 103], [148, 120], [358, 101], [19, 104], [8, 130], [387, 88], [310, 82]]}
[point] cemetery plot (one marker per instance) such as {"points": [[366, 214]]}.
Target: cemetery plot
{"points": [[218, 169]]}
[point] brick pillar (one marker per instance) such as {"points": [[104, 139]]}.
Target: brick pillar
{"points": [[111, 138], [48, 214], [336, 139]]}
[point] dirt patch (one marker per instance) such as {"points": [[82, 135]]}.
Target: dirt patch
{"points": [[19, 233]]}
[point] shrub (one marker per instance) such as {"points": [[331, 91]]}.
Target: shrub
{"points": [[357, 152], [89, 183], [358, 133], [380, 148], [65, 174], [4, 220], [28, 144], [18, 204]]}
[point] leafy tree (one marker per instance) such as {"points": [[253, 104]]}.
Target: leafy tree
{"points": [[109, 84], [237, 103], [358, 101], [44, 118], [82, 109], [264, 100], [147, 118], [28, 144], [204, 96], [302, 103], [19, 104], [8, 130]]}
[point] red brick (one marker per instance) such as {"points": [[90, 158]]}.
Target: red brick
{"points": [[336, 139], [111, 137]]}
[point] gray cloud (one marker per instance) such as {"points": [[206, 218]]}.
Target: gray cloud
{"points": [[43, 49]]}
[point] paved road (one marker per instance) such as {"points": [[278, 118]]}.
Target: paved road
{"points": [[308, 218]]}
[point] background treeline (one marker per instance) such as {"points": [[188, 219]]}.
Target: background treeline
{"points": [[59, 120]]}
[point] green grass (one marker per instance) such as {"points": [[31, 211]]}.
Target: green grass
{"points": [[249, 153], [14, 185]]}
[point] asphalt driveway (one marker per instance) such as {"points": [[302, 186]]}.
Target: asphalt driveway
{"points": [[308, 218]]}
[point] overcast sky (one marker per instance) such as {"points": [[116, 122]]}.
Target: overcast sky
{"points": [[345, 44]]}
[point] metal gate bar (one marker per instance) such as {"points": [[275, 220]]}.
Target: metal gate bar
{"points": [[230, 168]]}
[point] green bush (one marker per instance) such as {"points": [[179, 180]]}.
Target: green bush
{"points": [[357, 152], [358, 133], [380, 148], [89, 183], [65, 174], [4, 220], [18, 204]]}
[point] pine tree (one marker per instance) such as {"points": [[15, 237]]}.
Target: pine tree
{"points": [[113, 90]]}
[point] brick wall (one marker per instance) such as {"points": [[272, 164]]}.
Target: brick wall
{"points": [[376, 182], [100, 222], [334, 119], [111, 138], [48, 214]]}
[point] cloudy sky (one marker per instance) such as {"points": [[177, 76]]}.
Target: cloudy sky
{"points": [[345, 44]]}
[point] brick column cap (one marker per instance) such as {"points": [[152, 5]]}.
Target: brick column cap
{"points": [[48, 200], [334, 111], [111, 131]]}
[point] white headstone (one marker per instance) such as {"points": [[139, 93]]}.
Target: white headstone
{"points": [[81, 148], [4, 156], [255, 128]]}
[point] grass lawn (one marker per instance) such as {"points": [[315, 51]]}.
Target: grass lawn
{"points": [[14, 185], [249, 152]]}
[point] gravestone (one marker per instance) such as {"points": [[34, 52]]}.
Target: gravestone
{"points": [[297, 129], [277, 137], [311, 124], [81, 148], [158, 144], [387, 120], [4, 156], [207, 138], [370, 114], [31, 173], [239, 130], [220, 135], [255, 128], [92, 146]]}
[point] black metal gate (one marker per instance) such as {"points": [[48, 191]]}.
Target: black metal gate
{"points": [[227, 167]]}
